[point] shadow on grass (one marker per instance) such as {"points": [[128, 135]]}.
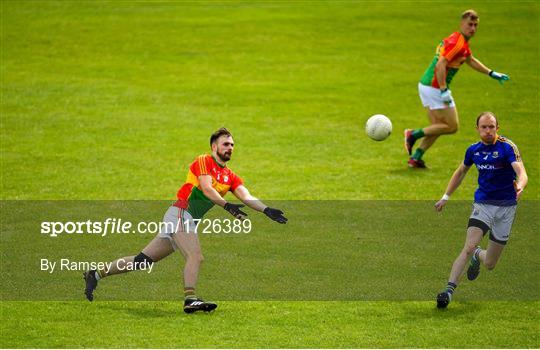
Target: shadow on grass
{"points": [[149, 310], [143, 310], [430, 310], [408, 172]]}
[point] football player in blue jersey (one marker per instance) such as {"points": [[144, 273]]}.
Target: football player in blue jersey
{"points": [[501, 180]]}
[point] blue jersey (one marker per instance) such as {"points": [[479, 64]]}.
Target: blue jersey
{"points": [[495, 173]]}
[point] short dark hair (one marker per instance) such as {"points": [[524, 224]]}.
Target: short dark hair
{"points": [[470, 14], [486, 113], [218, 133]]}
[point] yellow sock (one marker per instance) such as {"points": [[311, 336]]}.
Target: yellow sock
{"points": [[189, 293], [100, 274]]}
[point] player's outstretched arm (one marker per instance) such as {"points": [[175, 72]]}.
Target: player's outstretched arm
{"points": [[522, 178], [478, 66], [242, 193], [206, 186], [454, 183]]}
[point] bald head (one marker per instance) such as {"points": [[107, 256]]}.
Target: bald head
{"points": [[487, 127], [486, 115]]}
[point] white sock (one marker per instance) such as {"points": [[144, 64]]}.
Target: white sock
{"points": [[477, 253]]}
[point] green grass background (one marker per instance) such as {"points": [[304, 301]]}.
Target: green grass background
{"points": [[112, 100]]}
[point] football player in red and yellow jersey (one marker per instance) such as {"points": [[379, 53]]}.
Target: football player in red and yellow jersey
{"points": [[208, 181], [434, 89]]}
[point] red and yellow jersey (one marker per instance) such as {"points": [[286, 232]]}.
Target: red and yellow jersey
{"points": [[455, 49], [190, 195]]}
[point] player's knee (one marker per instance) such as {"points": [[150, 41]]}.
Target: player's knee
{"points": [[489, 264], [142, 261], [196, 257], [469, 249], [453, 128], [199, 257]]}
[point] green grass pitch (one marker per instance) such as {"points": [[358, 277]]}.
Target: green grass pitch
{"points": [[112, 100]]}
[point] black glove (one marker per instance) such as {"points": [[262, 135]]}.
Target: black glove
{"points": [[235, 211], [275, 214]]}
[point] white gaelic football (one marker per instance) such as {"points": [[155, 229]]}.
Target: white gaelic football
{"points": [[378, 127]]}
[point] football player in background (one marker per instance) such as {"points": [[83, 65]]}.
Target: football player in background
{"points": [[501, 180], [434, 88]]}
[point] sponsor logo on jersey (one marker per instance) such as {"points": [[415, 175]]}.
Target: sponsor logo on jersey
{"points": [[225, 178], [485, 167]]}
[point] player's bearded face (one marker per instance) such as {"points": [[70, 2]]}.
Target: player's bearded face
{"points": [[225, 148]]}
